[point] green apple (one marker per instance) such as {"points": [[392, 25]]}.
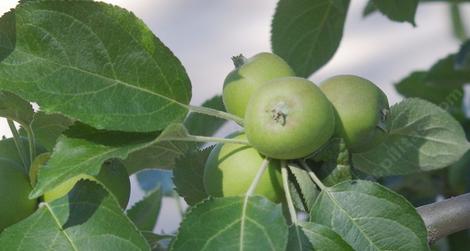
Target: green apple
{"points": [[248, 75], [362, 111], [231, 168], [14, 191], [113, 176], [290, 118]]}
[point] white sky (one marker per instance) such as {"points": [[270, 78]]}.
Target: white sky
{"points": [[204, 35]]}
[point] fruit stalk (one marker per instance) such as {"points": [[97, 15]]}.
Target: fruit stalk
{"points": [[446, 217]]}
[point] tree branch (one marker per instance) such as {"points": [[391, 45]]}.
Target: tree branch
{"points": [[446, 217]]}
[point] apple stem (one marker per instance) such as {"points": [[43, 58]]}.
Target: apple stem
{"points": [[216, 113], [239, 60], [285, 181], [257, 178], [312, 175], [18, 143]]}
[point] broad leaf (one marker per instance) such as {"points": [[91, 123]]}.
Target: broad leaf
{"points": [[87, 219], [423, 137], [9, 151], [188, 176], [93, 62], [369, 216], [161, 153], [449, 97], [157, 242], [419, 189], [398, 10], [323, 238], [298, 241], [307, 33], [82, 150], [15, 108], [157, 156], [308, 190], [459, 175], [448, 72], [204, 125], [233, 223], [333, 163], [462, 58], [144, 213], [296, 194], [369, 8], [48, 127]]}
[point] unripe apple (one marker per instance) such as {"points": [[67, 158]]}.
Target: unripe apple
{"points": [[113, 176], [361, 109], [231, 168], [289, 118], [248, 76], [14, 190]]}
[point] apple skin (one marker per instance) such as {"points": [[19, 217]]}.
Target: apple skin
{"points": [[361, 110], [14, 191], [240, 84], [231, 168], [113, 176], [289, 118]]}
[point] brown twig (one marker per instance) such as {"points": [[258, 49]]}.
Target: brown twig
{"points": [[446, 217]]}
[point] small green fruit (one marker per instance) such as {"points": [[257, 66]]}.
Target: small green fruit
{"points": [[231, 168], [113, 176], [362, 111], [289, 118], [14, 190], [248, 76]]}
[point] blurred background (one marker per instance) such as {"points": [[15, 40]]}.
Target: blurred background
{"points": [[205, 34]]}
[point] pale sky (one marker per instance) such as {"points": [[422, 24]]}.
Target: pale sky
{"points": [[204, 35]]}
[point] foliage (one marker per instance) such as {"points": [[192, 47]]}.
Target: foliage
{"points": [[108, 88]]}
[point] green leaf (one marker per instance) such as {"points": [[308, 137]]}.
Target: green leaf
{"points": [[83, 149], [369, 9], [48, 127], [307, 33], [87, 219], [459, 175], [333, 161], [419, 189], [9, 151], [369, 216], [323, 238], [398, 10], [160, 154], [230, 224], [447, 71], [204, 125], [296, 194], [93, 62], [423, 137], [144, 213], [449, 97], [15, 108], [308, 190], [188, 175], [157, 242], [298, 241]]}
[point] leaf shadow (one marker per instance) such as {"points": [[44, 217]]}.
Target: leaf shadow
{"points": [[84, 199]]}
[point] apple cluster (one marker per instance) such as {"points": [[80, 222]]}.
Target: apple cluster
{"points": [[287, 118]]}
